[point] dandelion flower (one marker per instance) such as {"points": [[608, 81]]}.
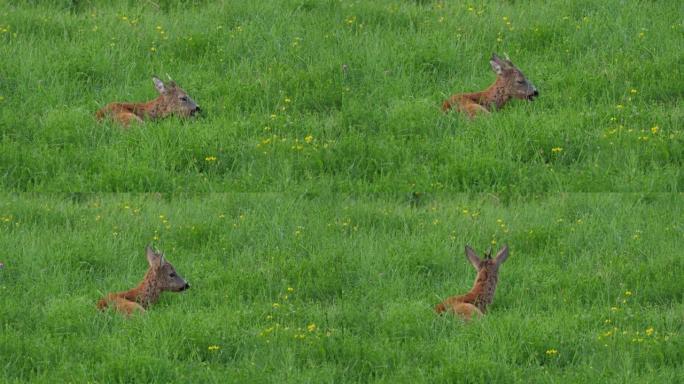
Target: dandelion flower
{"points": [[210, 158], [214, 348], [556, 149], [552, 352]]}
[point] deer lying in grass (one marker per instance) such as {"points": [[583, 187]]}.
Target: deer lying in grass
{"points": [[172, 100], [510, 83], [161, 276], [475, 302]]}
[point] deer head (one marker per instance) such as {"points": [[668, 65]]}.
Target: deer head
{"points": [[515, 84], [165, 275], [174, 100]]}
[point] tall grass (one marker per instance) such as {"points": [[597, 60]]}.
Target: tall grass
{"points": [[320, 206], [308, 288], [270, 74]]}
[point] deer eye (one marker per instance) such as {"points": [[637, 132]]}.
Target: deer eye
{"points": [[521, 81], [172, 274], [184, 98]]}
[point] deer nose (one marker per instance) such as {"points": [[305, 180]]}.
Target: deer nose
{"points": [[535, 93]]}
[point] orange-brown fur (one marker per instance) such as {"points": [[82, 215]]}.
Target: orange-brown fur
{"points": [[172, 100], [510, 83], [160, 276], [475, 302]]}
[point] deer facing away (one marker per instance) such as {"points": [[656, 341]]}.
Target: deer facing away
{"points": [[475, 302], [160, 276], [172, 100], [510, 83]]}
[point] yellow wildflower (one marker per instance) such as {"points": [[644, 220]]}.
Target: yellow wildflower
{"points": [[214, 348], [556, 149], [552, 352]]}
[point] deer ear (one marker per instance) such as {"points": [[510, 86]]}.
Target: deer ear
{"points": [[502, 255], [159, 84], [497, 65], [507, 62], [472, 257], [153, 258]]}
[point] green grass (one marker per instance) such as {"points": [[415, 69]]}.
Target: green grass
{"points": [[365, 272], [375, 129], [319, 213]]}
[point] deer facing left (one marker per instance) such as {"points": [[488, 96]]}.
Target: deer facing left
{"points": [[172, 100], [475, 302], [161, 276]]}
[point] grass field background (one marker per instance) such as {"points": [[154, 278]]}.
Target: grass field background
{"points": [[320, 206], [269, 75], [287, 288]]}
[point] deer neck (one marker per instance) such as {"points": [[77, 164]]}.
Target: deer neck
{"points": [[152, 109], [494, 96], [148, 291], [482, 293]]}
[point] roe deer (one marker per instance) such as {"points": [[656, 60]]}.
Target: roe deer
{"points": [[510, 83], [161, 276], [172, 100], [481, 295]]}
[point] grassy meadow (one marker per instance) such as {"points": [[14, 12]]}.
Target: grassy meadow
{"points": [[320, 205], [320, 289], [282, 114]]}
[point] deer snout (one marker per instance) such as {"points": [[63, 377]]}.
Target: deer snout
{"points": [[184, 287], [533, 94], [195, 110]]}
